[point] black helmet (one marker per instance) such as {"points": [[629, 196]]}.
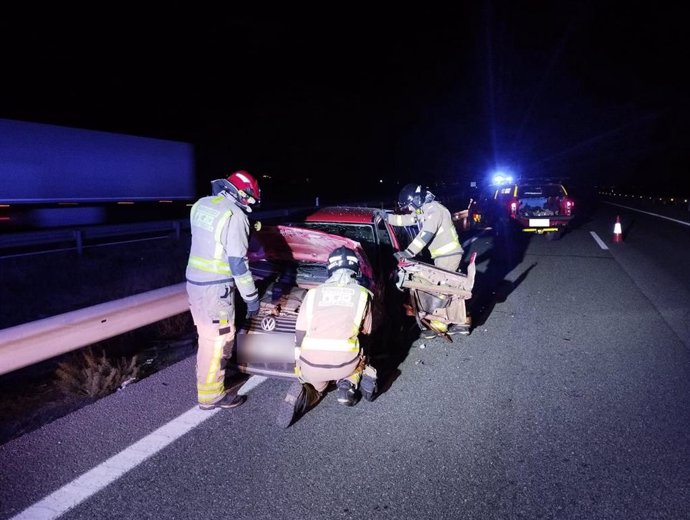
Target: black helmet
{"points": [[342, 258], [410, 195]]}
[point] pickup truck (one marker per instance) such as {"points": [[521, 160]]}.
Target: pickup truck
{"points": [[540, 207]]}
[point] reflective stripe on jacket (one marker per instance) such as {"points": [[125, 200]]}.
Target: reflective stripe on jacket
{"points": [[220, 229], [438, 232], [333, 315], [407, 219]]}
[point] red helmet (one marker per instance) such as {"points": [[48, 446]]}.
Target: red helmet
{"points": [[248, 191]]}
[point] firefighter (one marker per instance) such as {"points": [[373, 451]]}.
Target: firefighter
{"points": [[327, 340], [217, 267], [439, 235]]}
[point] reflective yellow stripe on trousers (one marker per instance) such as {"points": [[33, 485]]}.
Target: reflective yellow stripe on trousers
{"points": [[211, 389]]}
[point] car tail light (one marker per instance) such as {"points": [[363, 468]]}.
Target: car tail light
{"points": [[513, 207], [569, 205]]}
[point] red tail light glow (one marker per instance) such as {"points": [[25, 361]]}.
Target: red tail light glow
{"points": [[568, 206]]}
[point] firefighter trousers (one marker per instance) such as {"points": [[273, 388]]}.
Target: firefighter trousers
{"points": [[318, 368], [213, 311], [455, 310]]}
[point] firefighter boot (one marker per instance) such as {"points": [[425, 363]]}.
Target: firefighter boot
{"points": [[229, 400], [234, 380], [368, 385], [459, 329], [298, 400], [346, 392]]}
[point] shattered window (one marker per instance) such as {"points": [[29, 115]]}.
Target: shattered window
{"points": [[361, 233]]}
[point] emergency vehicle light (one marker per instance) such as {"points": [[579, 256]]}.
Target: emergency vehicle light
{"points": [[500, 178]]}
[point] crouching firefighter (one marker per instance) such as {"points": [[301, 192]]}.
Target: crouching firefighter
{"points": [[217, 267], [438, 234], [327, 340]]}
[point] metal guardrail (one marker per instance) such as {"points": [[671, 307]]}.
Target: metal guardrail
{"points": [[31, 343], [80, 237]]}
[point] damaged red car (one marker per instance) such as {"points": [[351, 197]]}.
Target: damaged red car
{"points": [[288, 259]]}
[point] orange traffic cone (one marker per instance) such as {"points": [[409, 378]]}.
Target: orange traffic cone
{"points": [[617, 231]]}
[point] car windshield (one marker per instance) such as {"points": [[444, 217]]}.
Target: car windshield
{"points": [[362, 233]]}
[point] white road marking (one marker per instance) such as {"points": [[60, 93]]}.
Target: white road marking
{"points": [[648, 213], [598, 240], [91, 482], [251, 384]]}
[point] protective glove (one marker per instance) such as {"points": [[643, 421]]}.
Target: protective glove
{"points": [[381, 213], [252, 308], [402, 255]]}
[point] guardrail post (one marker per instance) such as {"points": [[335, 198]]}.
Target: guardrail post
{"points": [[78, 238]]}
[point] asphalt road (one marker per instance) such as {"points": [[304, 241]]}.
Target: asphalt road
{"points": [[570, 399]]}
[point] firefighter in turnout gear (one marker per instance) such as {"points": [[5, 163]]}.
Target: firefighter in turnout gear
{"points": [[327, 340], [217, 267], [439, 235]]}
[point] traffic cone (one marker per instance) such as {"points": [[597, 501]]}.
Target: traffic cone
{"points": [[617, 231]]}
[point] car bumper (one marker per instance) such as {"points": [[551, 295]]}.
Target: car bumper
{"points": [[542, 225]]}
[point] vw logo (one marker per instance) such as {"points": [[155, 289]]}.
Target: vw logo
{"points": [[268, 323]]}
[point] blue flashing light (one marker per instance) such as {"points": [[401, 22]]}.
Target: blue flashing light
{"points": [[501, 179]]}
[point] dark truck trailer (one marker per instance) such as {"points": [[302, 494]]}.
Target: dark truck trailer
{"points": [[53, 175]]}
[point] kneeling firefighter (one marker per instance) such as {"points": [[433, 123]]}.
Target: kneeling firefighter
{"points": [[327, 340]]}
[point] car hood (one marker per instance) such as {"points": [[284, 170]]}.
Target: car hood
{"points": [[288, 243]]}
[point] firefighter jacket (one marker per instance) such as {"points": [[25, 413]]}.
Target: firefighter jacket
{"points": [[330, 320], [220, 239], [437, 230]]}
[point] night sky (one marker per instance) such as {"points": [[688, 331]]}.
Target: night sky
{"points": [[368, 99]]}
